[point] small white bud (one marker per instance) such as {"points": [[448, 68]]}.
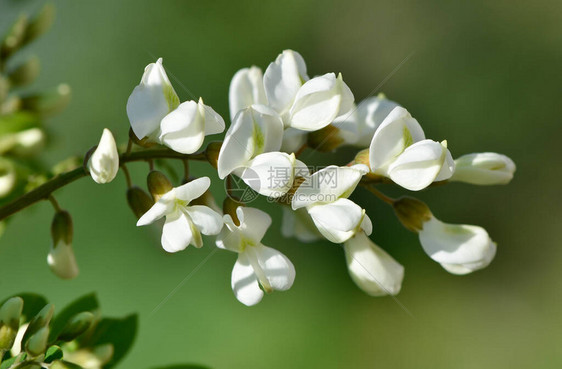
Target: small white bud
{"points": [[104, 162], [486, 168]]}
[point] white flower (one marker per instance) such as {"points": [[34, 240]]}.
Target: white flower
{"points": [[151, 101], [104, 161], [486, 168], [8, 178], [370, 114], [459, 248], [250, 151], [372, 268], [400, 151], [257, 265], [184, 129], [324, 194], [299, 224], [184, 224], [246, 89]]}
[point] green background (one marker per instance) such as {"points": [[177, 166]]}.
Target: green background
{"points": [[485, 75]]}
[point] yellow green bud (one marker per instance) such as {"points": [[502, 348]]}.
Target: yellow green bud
{"points": [[10, 313], [48, 103], [412, 213], [25, 73], [40, 24], [15, 37], [326, 139], [212, 152], [139, 201], [61, 228], [77, 325], [37, 343], [158, 184]]}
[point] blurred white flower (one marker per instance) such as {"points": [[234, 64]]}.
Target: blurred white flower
{"points": [[258, 266], [372, 268], [459, 248], [486, 168], [104, 161], [400, 151], [151, 101], [184, 224], [324, 195]]}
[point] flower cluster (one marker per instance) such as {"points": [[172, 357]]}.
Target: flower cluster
{"points": [[276, 116]]}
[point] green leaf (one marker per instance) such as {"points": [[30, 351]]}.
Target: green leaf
{"points": [[119, 332], [8, 363], [88, 302], [17, 122], [53, 353]]}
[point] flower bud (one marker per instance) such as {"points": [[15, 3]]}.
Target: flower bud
{"points": [[212, 153], [28, 142], [208, 200], [144, 142], [77, 325], [104, 161], [95, 357], [326, 139], [25, 73], [158, 184], [15, 37], [41, 23], [459, 248], [229, 207], [412, 213], [37, 343], [61, 258], [486, 168], [49, 103], [371, 268], [10, 313], [139, 201]]}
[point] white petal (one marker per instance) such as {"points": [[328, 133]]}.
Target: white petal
{"points": [[328, 184], [183, 130], [283, 78], [486, 168], [447, 169], [213, 121], [254, 130], [165, 205], [337, 221], [293, 139], [246, 89], [245, 283], [457, 244], [277, 268], [205, 219], [316, 104], [151, 100], [177, 232], [418, 166], [192, 190], [371, 112], [371, 268], [398, 131], [253, 222], [230, 237], [104, 162], [270, 174]]}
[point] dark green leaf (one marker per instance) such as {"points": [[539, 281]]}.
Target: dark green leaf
{"points": [[53, 353], [119, 332], [32, 304], [85, 303]]}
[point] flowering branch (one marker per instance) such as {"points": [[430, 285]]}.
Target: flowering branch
{"points": [[45, 190]]}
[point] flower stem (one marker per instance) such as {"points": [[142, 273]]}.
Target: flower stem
{"points": [[380, 195], [44, 191], [127, 175]]}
